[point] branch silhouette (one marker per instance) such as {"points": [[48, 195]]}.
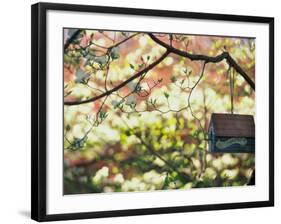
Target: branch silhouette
{"points": [[72, 38], [138, 74], [225, 55]]}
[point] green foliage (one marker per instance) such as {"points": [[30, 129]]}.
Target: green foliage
{"points": [[173, 79], [146, 158], [117, 104], [78, 143], [166, 95], [103, 115], [114, 53]]}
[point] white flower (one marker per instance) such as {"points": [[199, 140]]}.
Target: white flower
{"points": [[119, 178], [101, 175]]}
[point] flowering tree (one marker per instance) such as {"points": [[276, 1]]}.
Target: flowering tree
{"points": [[137, 106]]}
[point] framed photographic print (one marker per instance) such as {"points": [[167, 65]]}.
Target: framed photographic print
{"points": [[139, 111]]}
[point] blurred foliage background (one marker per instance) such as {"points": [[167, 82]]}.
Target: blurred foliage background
{"points": [[151, 133]]}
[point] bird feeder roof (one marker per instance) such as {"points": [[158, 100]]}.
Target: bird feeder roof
{"points": [[233, 125]]}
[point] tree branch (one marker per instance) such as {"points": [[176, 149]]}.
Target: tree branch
{"points": [[170, 165], [138, 74], [124, 40], [207, 59], [72, 38], [189, 97]]}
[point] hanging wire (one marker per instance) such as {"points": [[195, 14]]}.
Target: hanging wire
{"points": [[231, 85]]}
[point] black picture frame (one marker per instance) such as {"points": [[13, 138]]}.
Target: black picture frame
{"points": [[39, 107]]}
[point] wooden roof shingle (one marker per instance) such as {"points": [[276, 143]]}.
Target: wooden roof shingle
{"points": [[233, 125]]}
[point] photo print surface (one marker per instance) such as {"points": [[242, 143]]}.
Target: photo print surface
{"points": [[157, 111]]}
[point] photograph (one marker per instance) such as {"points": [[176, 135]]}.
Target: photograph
{"points": [[154, 111]]}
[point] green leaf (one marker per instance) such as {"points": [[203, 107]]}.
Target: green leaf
{"points": [[67, 128], [141, 66], [138, 88], [103, 115], [67, 58], [131, 101], [173, 79], [68, 93], [117, 104], [166, 95], [182, 81], [166, 181], [114, 53], [125, 34], [132, 105], [153, 101], [132, 66], [78, 143]]}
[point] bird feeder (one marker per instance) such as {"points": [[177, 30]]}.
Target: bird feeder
{"points": [[232, 133]]}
